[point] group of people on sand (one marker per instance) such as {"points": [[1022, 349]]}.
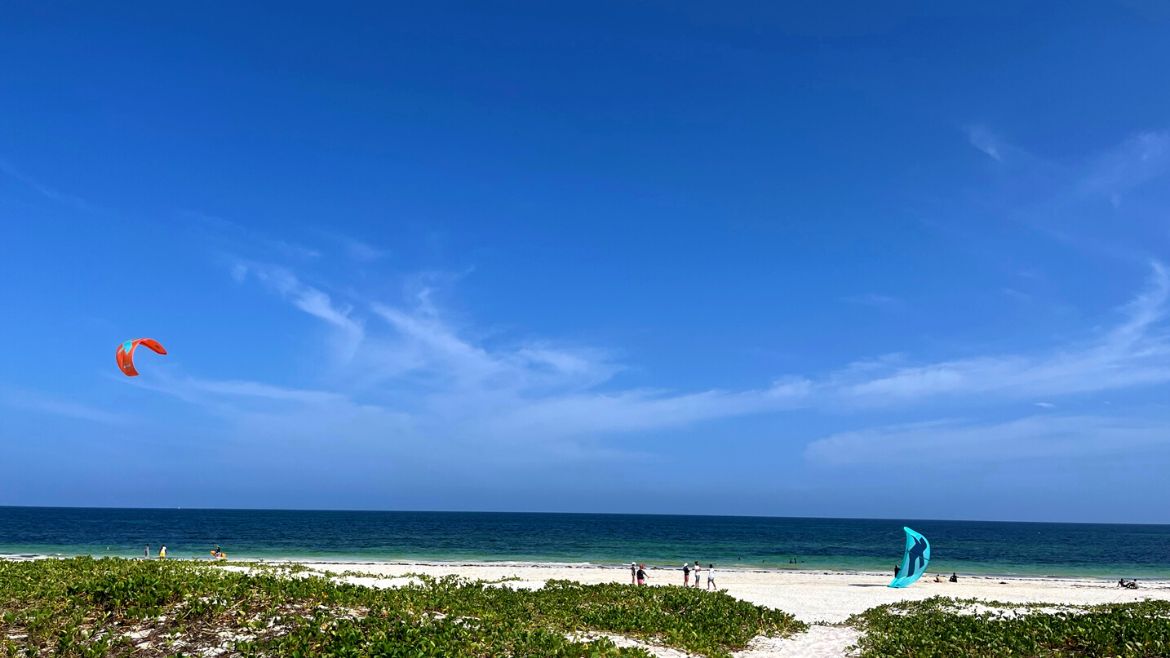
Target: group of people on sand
{"points": [[689, 570], [216, 554], [638, 574], [953, 579]]}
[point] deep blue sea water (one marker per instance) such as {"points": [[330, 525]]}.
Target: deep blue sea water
{"points": [[971, 547]]}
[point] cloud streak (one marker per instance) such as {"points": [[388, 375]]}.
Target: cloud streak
{"points": [[454, 386], [1033, 437], [44, 190], [985, 142], [306, 298], [1134, 353]]}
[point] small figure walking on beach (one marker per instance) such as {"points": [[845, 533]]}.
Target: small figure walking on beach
{"points": [[710, 577], [633, 573], [162, 552], [695, 570], [641, 574], [686, 574], [146, 552]]}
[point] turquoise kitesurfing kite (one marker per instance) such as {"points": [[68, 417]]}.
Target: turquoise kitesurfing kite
{"points": [[914, 561]]}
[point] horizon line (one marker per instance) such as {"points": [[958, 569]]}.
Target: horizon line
{"points": [[563, 513]]}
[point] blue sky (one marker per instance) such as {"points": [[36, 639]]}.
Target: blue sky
{"points": [[898, 262]]}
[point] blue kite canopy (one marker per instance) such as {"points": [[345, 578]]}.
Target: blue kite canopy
{"points": [[914, 561]]}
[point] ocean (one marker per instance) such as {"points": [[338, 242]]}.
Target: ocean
{"points": [[967, 547]]}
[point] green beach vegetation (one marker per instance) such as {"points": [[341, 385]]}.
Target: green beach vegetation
{"points": [[86, 607], [114, 607], [945, 627]]}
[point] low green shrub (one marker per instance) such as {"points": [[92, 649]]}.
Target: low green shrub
{"points": [[959, 628], [115, 607]]}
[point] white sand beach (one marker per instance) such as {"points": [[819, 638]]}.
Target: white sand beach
{"points": [[819, 598]]}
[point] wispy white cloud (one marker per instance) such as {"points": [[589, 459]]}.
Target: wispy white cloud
{"points": [[873, 299], [422, 341], [44, 190], [305, 297], [985, 141], [1135, 352], [1135, 162], [1016, 295], [233, 236], [1031, 437], [295, 251], [453, 385], [355, 249], [1077, 201], [248, 389], [596, 413]]}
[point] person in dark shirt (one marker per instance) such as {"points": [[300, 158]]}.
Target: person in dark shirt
{"points": [[686, 574], [641, 574]]}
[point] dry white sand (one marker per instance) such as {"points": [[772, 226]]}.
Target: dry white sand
{"points": [[818, 598]]}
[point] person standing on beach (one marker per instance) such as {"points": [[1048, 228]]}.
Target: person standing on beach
{"points": [[162, 552], [710, 577], [641, 574], [146, 552], [633, 573], [696, 570], [686, 574]]}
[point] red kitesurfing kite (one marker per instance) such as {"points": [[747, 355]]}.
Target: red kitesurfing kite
{"points": [[125, 353]]}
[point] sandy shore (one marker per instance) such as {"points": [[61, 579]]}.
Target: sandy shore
{"points": [[819, 598], [814, 597]]}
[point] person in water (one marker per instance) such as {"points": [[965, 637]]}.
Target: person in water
{"points": [[686, 574], [641, 574], [710, 577]]}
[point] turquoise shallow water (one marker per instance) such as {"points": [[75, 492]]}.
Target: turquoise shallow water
{"points": [[1025, 549]]}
